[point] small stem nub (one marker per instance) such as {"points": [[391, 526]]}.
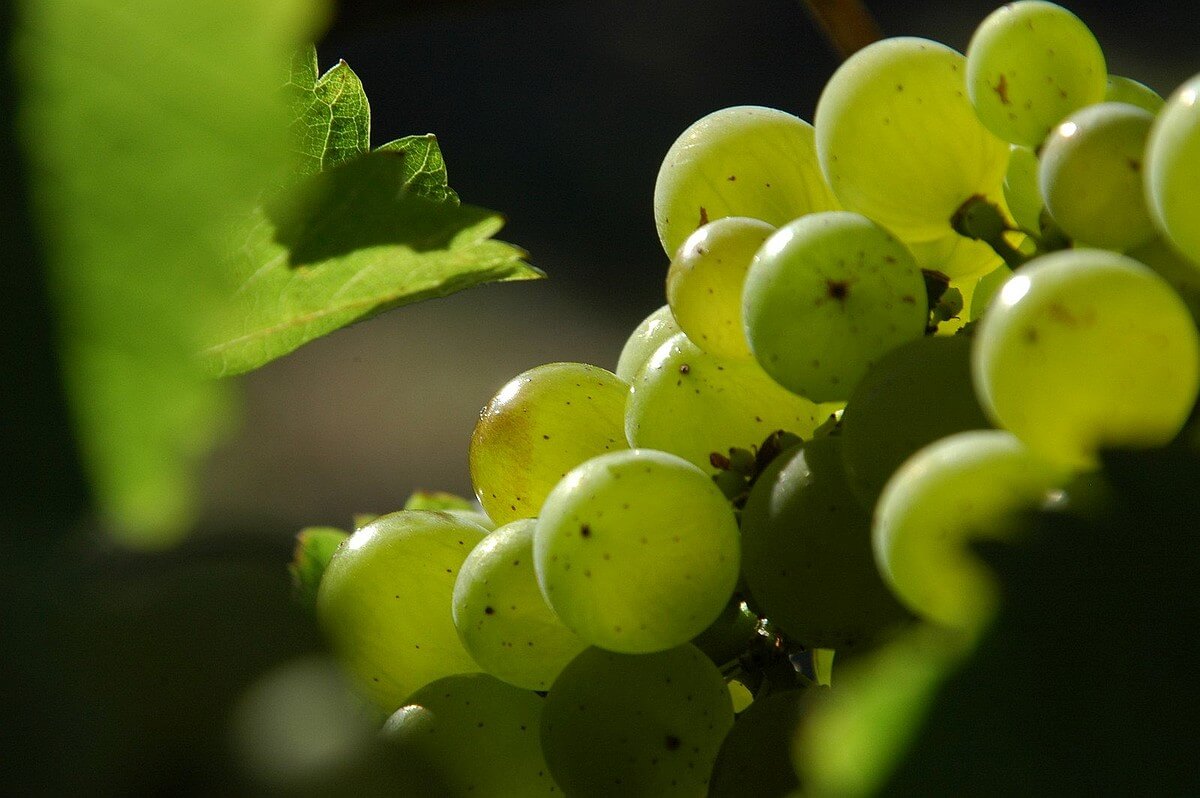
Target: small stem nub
{"points": [[982, 220]]}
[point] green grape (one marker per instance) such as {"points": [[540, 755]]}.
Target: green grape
{"points": [[987, 288], [852, 738], [704, 285], [1029, 65], [690, 403], [475, 517], [1086, 349], [384, 602], [806, 552], [646, 338], [501, 617], [827, 296], [969, 486], [475, 735], [1091, 176], [742, 161], [1124, 90], [637, 551], [756, 757], [728, 637], [1021, 190], [637, 726], [540, 425], [1178, 271], [899, 141], [1173, 169], [916, 394]]}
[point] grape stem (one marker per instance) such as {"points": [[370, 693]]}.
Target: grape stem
{"points": [[847, 24], [983, 220]]}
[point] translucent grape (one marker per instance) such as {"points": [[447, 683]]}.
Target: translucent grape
{"points": [[1091, 176], [955, 256], [969, 486], [806, 552], [637, 726], [1029, 65], [540, 425], [827, 296], [1021, 190], [645, 339], [1086, 349], [1173, 169], [384, 602], [500, 614], [690, 403], [987, 288], [899, 141], [916, 394], [637, 551], [1125, 90], [756, 757], [473, 735], [704, 285], [741, 161]]}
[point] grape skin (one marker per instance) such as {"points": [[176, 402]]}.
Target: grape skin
{"points": [[637, 726], [637, 551], [384, 602], [500, 614], [1173, 169], [648, 336]]}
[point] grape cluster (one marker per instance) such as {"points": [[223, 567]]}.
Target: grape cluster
{"points": [[888, 335]]}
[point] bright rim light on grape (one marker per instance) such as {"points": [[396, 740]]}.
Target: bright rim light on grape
{"points": [[508, 392], [776, 243], [1067, 129], [1188, 97], [1014, 290]]}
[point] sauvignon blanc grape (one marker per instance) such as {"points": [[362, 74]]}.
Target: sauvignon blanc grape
{"points": [[648, 336], [1021, 190], [384, 602], [828, 295], [500, 614], [637, 551], [740, 161], [1125, 90], [637, 726], [756, 757], [540, 425], [1173, 169]]}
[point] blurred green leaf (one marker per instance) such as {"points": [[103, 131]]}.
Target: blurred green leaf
{"points": [[148, 126], [347, 244], [314, 549], [437, 500], [331, 118]]}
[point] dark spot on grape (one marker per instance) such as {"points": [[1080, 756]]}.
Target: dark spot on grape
{"points": [[703, 216], [1031, 335], [837, 289], [672, 743], [908, 299], [545, 437], [585, 531], [489, 611], [1001, 89], [731, 178], [685, 368]]}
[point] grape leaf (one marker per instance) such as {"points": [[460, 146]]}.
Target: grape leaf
{"points": [[147, 126], [331, 116], [347, 244]]}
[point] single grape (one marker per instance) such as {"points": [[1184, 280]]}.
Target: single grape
{"points": [[690, 403], [1086, 349], [806, 552], [704, 284], [917, 393], [826, 297], [899, 141], [756, 757], [540, 425], [1124, 90], [475, 735], [637, 726], [646, 338], [966, 487], [384, 602], [1021, 190], [500, 614], [637, 551], [1029, 65], [1173, 169], [741, 161], [1091, 176]]}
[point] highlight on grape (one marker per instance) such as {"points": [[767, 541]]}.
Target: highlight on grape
{"points": [[889, 335]]}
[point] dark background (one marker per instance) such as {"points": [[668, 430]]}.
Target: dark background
{"points": [[119, 669]]}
